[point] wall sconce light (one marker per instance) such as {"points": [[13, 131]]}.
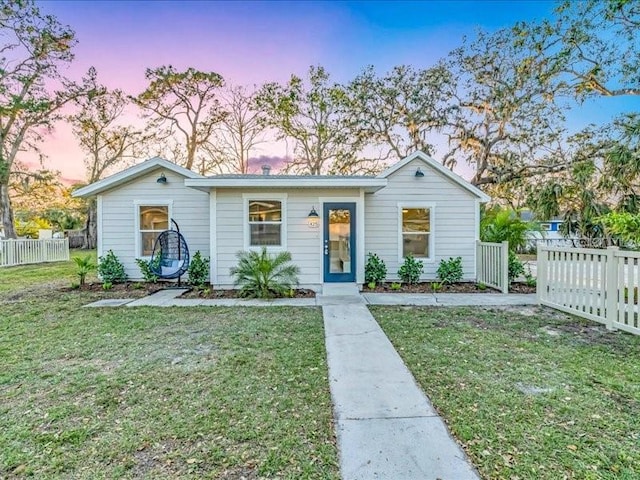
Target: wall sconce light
{"points": [[419, 173], [313, 219], [162, 180]]}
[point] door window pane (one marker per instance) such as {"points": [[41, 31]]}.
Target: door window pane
{"points": [[339, 241]]}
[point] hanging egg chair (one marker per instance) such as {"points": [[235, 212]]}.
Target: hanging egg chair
{"points": [[170, 257]]}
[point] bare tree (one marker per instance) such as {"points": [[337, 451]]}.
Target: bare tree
{"points": [[312, 115], [34, 47], [186, 103], [106, 143], [239, 133]]}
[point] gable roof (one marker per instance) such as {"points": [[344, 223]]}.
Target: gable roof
{"points": [[438, 167], [131, 173]]}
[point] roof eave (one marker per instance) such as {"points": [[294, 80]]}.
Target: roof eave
{"points": [[206, 184], [130, 173]]}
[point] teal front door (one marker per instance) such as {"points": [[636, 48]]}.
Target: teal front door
{"points": [[339, 242]]}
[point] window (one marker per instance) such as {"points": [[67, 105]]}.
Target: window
{"points": [[152, 219], [415, 231], [265, 223]]}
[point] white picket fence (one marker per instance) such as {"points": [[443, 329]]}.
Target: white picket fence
{"points": [[492, 265], [26, 251], [597, 284]]}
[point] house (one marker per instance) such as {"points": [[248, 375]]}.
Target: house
{"points": [[328, 223], [546, 232]]}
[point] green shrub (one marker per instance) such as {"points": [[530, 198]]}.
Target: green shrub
{"points": [[481, 286], [516, 267], [85, 265], [111, 269], [261, 275], [145, 269], [198, 270], [410, 270], [107, 286], [371, 285], [450, 271], [435, 286], [375, 271], [396, 286]]}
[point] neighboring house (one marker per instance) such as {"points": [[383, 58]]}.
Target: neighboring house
{"points": [[416, 206], [547, 232]]}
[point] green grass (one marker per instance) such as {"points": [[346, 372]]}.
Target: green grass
{"points": [[157, 393], [579, 417]]}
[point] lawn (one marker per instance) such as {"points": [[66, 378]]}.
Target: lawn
{"points": [[530, 393], [157, 393]]}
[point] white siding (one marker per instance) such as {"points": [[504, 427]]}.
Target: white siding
{"points": [[454, 223], [304, 243], [190, 210]]}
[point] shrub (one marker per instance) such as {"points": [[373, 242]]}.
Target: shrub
{"points": [[145, 269], [261, 275], [530, 280], [410, 270], [435, 286], [450, 271], [107, 286], [396, 286], [516, 267], [481, 286], [375, 271], [85, 265], [111, 269], [198, 270]]}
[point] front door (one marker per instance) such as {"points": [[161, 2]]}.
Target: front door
{"points": [[339, 245]]}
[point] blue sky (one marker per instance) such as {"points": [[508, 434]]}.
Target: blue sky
{"points": [[255, 42]]}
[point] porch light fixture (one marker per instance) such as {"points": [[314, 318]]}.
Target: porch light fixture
{"points": [[313, 218], [162, 180], [419, 173]]}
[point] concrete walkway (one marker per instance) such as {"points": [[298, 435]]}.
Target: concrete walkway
{"points": [[171, 298], [386, 427]]}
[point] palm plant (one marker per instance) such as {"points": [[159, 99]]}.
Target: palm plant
{"points": [[261, 275], [85, 265], [499, 225]]}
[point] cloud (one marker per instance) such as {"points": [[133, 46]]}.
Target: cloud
{"points": [[275, 162]]}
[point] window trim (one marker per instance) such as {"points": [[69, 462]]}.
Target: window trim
{"points": [[136, 215], [279, 197], [432, 216]]}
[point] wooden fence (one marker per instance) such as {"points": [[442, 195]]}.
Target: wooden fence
{"points": [[25, 251], [597, 284], [492, 265]]}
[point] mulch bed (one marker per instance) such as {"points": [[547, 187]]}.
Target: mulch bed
{"points": [[462, 287], [211, 293]]}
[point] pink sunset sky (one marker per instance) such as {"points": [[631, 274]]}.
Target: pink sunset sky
{"points": [[254, 42]]}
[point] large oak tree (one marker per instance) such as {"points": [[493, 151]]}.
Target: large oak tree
{"points": [[32, 90]]}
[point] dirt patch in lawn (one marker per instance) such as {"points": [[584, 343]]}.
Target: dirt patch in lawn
{"points": [[214, 293]]}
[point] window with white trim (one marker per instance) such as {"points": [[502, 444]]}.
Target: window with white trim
{"points": [[265, 222], [415, 231], [152, 220]]}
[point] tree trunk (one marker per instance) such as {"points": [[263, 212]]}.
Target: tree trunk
{"points": [[91, 226], [6, 212]]}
